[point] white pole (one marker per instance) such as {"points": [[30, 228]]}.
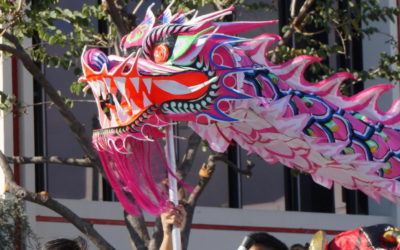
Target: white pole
{"points": [[173, 185]]}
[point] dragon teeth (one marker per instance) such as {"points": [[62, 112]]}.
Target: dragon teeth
{"points": [[102, 89], [146, 101], [147, 82], [113, 120], [120, 82], [135, 82], [123, 117], [108, 84], [95, 88], [106, 122], [135, 108]]}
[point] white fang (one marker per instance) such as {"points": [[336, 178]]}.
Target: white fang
{"points": [[102, 89], [135, 108], [120, 82], [147, 82], [146, 101], [123, 117], [108, 84], [135, 81]]}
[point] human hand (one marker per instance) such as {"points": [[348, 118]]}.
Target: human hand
{"points": [[174, 215]]}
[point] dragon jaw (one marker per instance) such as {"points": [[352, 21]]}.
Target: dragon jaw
{"points": [[133, 93]]}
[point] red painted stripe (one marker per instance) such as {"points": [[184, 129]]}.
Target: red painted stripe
{"points": [[14, 82], [14, 89], [201, 226]]}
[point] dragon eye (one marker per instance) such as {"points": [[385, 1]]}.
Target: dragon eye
{"points": [[161, 53]]}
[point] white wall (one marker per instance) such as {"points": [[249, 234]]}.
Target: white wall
{"points": [[209, 238]]}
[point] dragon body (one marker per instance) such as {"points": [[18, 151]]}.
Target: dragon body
{"points": [[198, 71]]}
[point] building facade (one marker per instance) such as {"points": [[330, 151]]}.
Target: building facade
{"points": [[291, 208]]}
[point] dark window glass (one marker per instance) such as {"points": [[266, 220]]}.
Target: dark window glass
{"points": [[65, 181]]}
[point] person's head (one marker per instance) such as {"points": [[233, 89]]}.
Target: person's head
{"points": [[264, 241], [298, 247], [66, 244]]}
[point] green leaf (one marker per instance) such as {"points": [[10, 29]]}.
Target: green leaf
{"points": [[70, 103], [4, 97], [355, 24], [46, 37], [285, 28], [68, 13], [52, 40], [59, 10], [345, 31], [77, 71], [41, 33]]}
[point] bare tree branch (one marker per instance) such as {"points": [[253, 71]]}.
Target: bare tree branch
{"points": [[293, 26], [205, 173], [50, 159], [138, 231], [190, 154], [76, 127], [116, 17], [44, 199], [224, 158], [23, 108], [157, 236], [293, 8], [13, 40]]}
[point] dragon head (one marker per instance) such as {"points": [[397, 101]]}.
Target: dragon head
{"points": [[176, 70]]}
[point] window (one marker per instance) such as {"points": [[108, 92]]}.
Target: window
{"points": [[53, 136]]}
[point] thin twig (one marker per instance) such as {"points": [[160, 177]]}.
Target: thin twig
{"points": [[50, 159], [137, 7], [343, 42], [224, 158], [324, 30], [48, 102]]}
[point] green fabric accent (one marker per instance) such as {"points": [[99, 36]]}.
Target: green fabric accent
{"points": [[186, 42], [135, 36]]}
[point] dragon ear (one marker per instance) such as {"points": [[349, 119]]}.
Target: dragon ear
{"points": [[166, 16], [135, 38]]}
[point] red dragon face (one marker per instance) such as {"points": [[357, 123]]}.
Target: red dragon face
{"points": [[133, 93]]}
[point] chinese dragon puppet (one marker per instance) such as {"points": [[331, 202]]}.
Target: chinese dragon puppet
{"points": [[224, 86]]}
